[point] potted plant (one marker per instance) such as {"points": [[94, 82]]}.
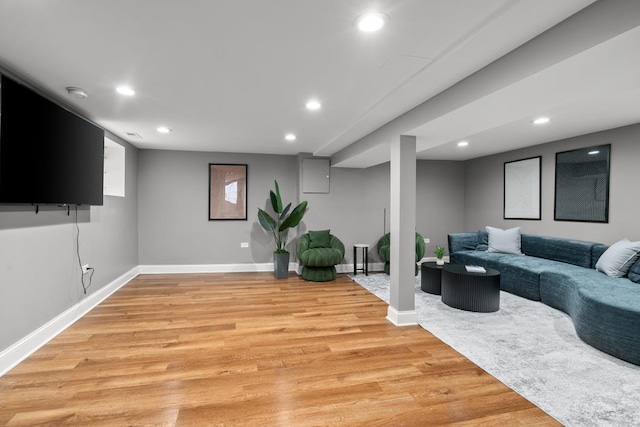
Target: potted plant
{"points": [[439, 255], [279, 226]]}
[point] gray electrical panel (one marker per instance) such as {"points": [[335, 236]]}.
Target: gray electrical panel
{"points": [[316, 175]]}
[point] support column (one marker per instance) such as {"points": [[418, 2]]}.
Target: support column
{"points": [[401, 310]]}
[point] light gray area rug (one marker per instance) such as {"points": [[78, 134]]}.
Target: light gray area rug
{"points": [[533, 349]]}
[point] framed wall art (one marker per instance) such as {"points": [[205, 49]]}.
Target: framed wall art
{"points": [[227, 192], [522, 197], [582, 184]]}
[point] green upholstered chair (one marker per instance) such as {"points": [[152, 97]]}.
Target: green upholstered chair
{"points": [[319, 252], [384, 245]]}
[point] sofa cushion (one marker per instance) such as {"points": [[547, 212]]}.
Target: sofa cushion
{"points": [[618, 259], [319, 239], [504, 241], [556, 291], [462, 242], [483, 240], [604, 309], [570, 251], [634, 272]]}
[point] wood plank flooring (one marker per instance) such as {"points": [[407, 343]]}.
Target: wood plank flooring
{"points": [[245, 349]]}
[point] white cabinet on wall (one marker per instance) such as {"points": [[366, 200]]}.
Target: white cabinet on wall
{"points": [[114, 168], [315, 175]]}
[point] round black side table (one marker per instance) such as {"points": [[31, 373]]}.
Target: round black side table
{"points": [[430, 277], [470, 291]]}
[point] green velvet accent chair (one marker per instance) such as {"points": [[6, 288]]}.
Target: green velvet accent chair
{"points": [[319, 252], [384, 245]]}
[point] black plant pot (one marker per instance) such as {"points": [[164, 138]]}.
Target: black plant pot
{"points": [[281, 265]]}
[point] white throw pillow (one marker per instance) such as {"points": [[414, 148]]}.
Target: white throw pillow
{"points": [[504, 241], [618, 258]]}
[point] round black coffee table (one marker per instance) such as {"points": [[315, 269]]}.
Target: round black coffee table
{"points": [[470, 291], [430, 277]]}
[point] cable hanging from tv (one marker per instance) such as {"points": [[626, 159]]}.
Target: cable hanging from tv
{"points": [[90, 270]]}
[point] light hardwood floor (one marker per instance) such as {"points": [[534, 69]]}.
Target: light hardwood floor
{"points": [[246, 349]]}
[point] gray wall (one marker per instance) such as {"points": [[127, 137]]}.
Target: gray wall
{"points": [[174, 226], [484, 189], [173, 207], [39, 270], [355, 207], [440, 201]]}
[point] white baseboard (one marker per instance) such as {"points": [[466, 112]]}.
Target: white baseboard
{"points": [[22, 349], [402, 318], [211, 268], [240, 268]]}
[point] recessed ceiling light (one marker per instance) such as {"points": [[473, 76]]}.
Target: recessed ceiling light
{"points": [[463, 143], [163, 129], [541, 120], [313, 105], [125, 90], [594, 152], [370, 22], [290, 137]]}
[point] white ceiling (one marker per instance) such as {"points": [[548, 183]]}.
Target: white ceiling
{"points": [[234, 76], [595, 90]]}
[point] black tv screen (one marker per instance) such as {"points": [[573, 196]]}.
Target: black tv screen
{"points": [[48, 155]]}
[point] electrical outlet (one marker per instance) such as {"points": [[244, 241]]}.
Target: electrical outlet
{"points": [[427, 241], [85, 268], [244, 244]]}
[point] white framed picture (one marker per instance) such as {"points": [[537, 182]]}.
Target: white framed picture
{"points": [[522, 180]]}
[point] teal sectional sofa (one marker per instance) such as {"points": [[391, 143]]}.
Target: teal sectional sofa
{"points": [[561, 273]]}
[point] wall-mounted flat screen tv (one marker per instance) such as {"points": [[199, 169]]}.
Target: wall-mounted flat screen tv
{"points": [[48, 155]]}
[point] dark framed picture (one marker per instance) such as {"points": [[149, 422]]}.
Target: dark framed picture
{"points": [[227, 192], [522, 196], [582, 184]]}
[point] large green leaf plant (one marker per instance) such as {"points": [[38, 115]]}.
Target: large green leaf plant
{"points": [[283, 219]]}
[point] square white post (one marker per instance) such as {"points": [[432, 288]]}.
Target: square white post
{"points": [[401, 310]]}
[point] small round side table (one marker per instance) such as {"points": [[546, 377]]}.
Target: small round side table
{"points": [[430, 277], [365, 258]]}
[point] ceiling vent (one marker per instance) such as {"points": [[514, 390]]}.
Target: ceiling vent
{"points": [[133, 135]]}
